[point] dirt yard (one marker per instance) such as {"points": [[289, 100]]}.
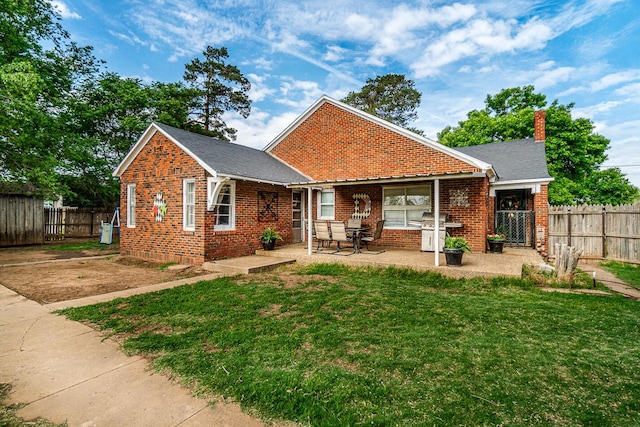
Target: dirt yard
{"points": [[65, 280]]}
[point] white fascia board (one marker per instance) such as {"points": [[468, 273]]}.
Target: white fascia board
{"points": [[531, 184]]}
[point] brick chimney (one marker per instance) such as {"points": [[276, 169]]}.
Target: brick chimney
{"points": [[538, 125]]}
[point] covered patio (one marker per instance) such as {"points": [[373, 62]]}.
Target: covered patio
{"points": [[509, 263]]}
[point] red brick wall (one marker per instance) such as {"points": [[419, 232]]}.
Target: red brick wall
{"points": [[475, 217], [244, 240], [160, 168], [335, 144], [541, 208]]}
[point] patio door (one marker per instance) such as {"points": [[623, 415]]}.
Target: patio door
{"points": [[297, 210], [513, 218]]}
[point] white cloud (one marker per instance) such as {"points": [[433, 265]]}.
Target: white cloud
{"points": [[263, 64], [552, 77], [260, 128], [64, 10], [615, 79], [259, 89], [593, 110], [480, 38], [334, 53], [631, 90], [298, 93]]}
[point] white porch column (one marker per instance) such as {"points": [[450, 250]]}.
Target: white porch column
{"points": [[436, 218], [310, 219]]}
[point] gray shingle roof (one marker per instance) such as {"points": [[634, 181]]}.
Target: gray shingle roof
{"points": [[523, 159], [227, 158]]}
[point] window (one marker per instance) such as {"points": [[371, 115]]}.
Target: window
{"points": [[326, 204], [225, 207], [400, 205], [131, 205], [189, 204]]}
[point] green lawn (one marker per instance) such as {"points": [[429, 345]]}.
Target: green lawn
{"points": [[629, 273], [328, 345]]}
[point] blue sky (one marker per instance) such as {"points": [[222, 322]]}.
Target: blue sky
{"points": [[293, 51]]}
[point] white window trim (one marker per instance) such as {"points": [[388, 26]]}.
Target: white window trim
{"points": [[131, 201], [185, 225], [319, 205], [406, 208], [232, 207]]}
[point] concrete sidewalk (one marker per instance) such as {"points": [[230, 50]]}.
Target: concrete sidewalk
{"points": [[65, 371], [610, 281]]}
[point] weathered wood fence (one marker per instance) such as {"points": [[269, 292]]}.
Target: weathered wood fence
{"points": [[74, 222], [603, 232], [21, 219]]}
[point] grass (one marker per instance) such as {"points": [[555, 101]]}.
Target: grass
{"points": [[329, 345], [629, 273], [8, 417], [77, 246]]}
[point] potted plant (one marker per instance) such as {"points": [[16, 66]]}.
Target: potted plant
{"points": [[453, 249], [269, 237], [496, 242]]}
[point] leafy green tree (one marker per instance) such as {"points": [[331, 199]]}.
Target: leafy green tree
{"points": [[105, 118], [34, 87], [220, 87], [574, 152], [391, 97]]}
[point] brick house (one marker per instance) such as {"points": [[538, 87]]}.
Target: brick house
{"points": [[191, 198]]}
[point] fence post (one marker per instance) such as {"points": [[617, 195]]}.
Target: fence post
{"points": [[569, 226], [604, 232], [92, 218]]}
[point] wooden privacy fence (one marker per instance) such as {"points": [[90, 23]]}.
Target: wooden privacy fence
{"points": [[21, 219], [74, 222], [603, 232]]}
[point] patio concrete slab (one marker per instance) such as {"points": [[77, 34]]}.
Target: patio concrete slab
{"points": [[247, 264], [509, 263]]}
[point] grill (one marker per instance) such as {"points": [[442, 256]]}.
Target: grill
{"points": [[428, 225]]}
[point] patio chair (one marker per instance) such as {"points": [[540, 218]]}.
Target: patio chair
{"points": [[376, 235], [339, 235], [322, 234]]}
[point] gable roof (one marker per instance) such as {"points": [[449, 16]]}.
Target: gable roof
{"points": [[520, 160], [219, 158], [480, 164]]}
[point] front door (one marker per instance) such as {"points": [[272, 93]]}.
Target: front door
{"points": [[298, 215]]}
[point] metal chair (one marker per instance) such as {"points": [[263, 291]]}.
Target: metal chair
{"points": [[376, 235], [322, 234], [339, 235]]}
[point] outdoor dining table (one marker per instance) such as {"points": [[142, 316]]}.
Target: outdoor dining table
{"points": [[356, 231]]}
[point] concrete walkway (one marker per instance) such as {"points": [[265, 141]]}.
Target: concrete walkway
{"points": [[65, 371], [610, 281]]}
